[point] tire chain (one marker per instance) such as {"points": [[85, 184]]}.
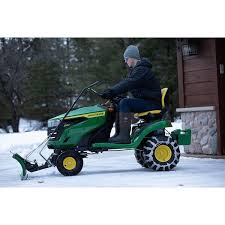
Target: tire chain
{"points": [[148, 153]]}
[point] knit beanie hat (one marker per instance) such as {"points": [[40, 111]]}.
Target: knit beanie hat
{"points": [[132, 52]]}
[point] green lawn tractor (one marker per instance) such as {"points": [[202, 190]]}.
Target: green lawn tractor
{"points": [[82, 131]]}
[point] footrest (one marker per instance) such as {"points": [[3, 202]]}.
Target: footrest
{"points": [[137, 137], [112, 145]]}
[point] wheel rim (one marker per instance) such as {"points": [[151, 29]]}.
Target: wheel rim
{"points": [[163, 153], [69, 163]]}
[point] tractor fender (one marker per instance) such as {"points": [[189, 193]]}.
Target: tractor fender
{"points": [[142, 133]]}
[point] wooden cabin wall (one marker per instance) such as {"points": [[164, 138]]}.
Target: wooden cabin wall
{"points": [[200, 82], [197, 76], [220, 56]]}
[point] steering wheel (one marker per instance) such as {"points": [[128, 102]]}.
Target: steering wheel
{"points": [[114, 100]]}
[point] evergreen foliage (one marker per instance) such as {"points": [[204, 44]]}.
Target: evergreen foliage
{"points": [[40, 77]]}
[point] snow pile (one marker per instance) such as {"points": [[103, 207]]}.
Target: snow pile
{"points": [[21, 142], [26, 125], [175, 125]]}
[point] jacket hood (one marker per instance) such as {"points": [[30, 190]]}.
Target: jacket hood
{"points": [[144, 62]]}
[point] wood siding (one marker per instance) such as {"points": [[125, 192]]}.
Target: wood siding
{"points": [[201, 84], [198, 77], [180, 75]]}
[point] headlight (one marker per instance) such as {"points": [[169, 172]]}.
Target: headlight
{"points": [[53, 123]]}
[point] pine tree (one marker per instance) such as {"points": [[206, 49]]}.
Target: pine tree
{"points": [[14, 54], [44, 93], [47, 73]]}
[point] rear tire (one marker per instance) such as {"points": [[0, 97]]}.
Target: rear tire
{"points": [[69, 163], [138, 153], [161, 153]]}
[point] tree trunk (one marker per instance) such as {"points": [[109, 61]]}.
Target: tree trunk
{"points": [[15, 123], [15, 118]]}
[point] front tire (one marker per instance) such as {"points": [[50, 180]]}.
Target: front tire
{"points": [[161, 153], [69, 163]]}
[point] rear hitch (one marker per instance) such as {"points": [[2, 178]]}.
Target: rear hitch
{"points": [[28, 166]]}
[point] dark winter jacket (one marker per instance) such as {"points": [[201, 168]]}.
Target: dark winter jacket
{"points": [[141, 82]]}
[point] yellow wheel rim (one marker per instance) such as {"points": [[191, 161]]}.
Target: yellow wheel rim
{"points": [[163, 153], [69, 163]]}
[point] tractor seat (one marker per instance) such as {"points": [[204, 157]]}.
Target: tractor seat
{"points": [[164, 92]]}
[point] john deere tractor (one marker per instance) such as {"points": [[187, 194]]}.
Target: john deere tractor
{"points": [[82, 131]]}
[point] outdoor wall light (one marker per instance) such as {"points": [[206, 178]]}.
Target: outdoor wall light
{"points": [[190, 49], [189, 46]]}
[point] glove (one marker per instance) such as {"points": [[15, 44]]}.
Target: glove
{"points": [[107, 94]]}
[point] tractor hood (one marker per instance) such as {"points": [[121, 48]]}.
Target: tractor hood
{"points": [[88, 112]]}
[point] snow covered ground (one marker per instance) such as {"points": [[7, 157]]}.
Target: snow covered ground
{"points": [[109, 169]]}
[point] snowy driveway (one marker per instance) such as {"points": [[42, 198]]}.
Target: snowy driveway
{"points": [[109, 169], [119, 169]]}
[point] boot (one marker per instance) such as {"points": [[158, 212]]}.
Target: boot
{"points": [[124, 124], [117, 126]]}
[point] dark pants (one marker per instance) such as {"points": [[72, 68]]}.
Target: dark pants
{"points": [[136, 105]]}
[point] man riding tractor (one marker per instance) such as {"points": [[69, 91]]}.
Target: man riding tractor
{"points": [[144, 87]]}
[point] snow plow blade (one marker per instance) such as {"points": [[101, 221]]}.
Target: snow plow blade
{"points": [[21, 161], [28, 166]]}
